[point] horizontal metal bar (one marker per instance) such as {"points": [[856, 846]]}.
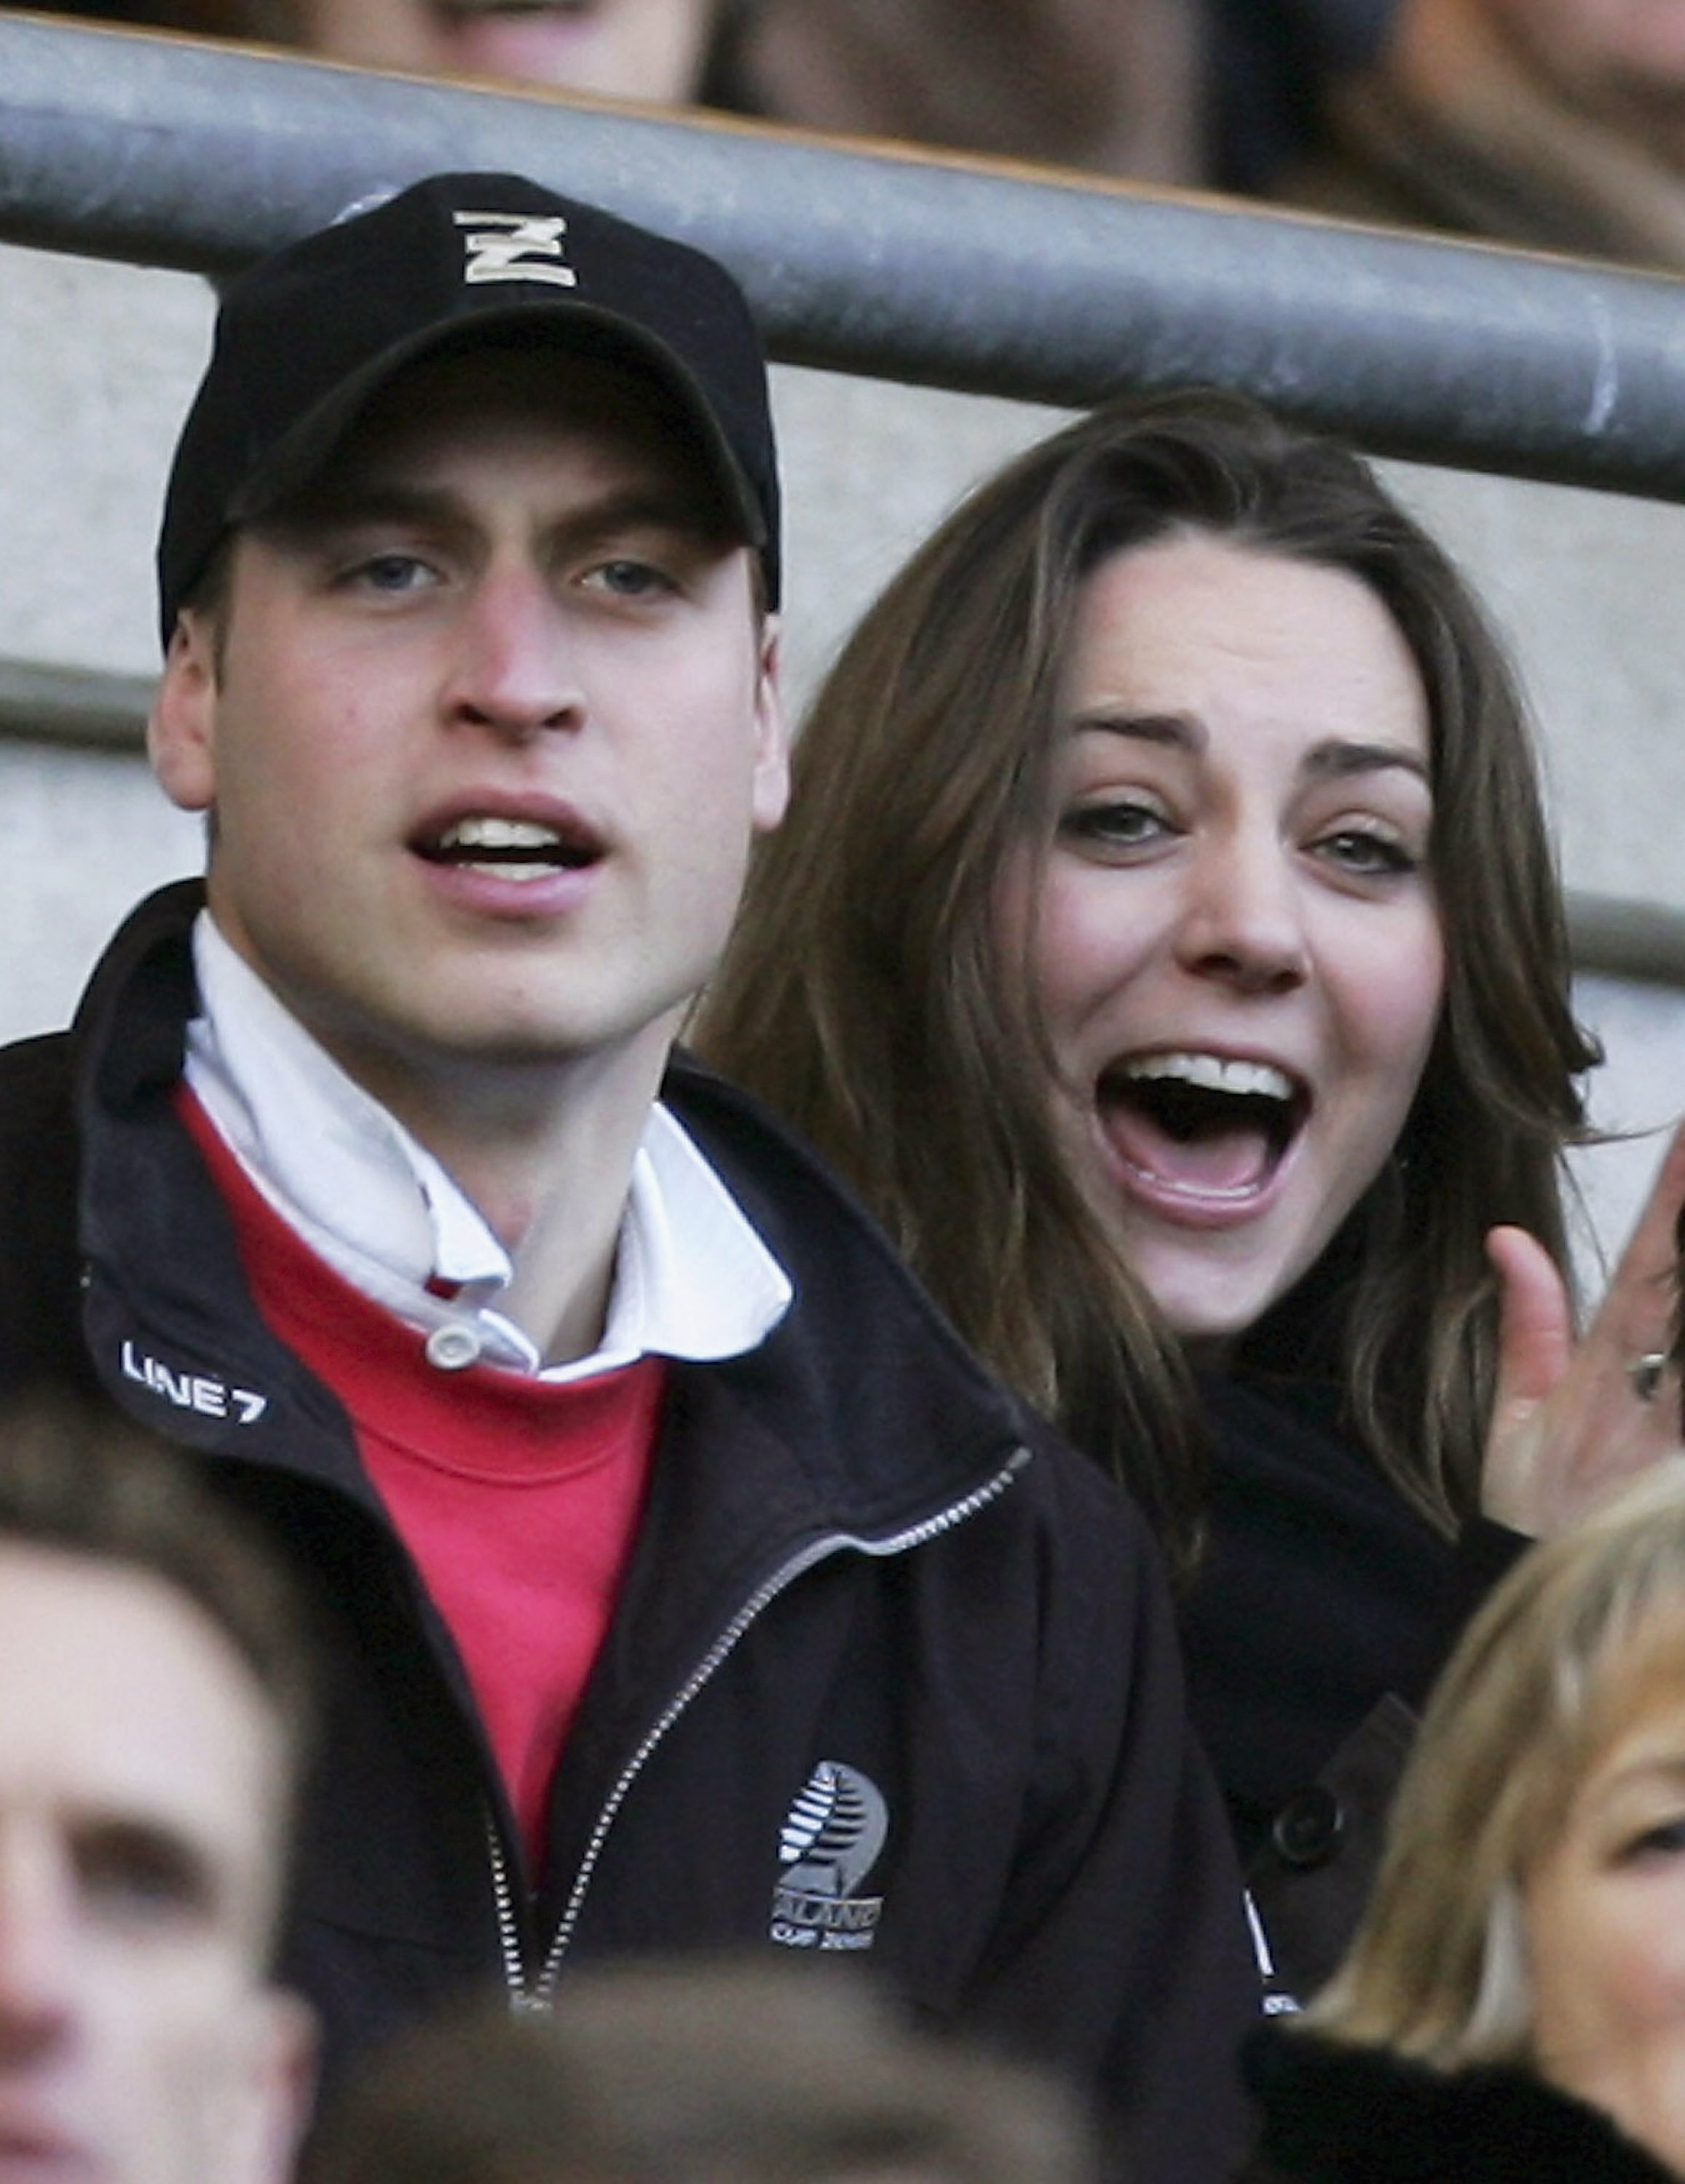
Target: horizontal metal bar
{"points": [[73, 706], [1013, 282], [1622, 939]]}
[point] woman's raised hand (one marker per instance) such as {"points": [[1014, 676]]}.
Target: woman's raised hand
{"points": [[1572, 1419]]}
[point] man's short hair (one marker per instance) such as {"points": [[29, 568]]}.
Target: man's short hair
{"points": [[741, 2071], [82, 1479]]}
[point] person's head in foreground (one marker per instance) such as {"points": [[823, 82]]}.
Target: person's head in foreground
{"points": [[700, 2073], [152, 1711], [1531, 1909], [1167, 906], [466, 570]]}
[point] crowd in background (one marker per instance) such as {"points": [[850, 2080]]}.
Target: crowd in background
{"points": [[1555, 124], [1165, 944]]}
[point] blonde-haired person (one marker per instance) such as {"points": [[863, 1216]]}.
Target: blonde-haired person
{"points": [[1518, 1979], [1165, 940]]}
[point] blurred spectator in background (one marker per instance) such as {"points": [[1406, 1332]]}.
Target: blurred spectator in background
{"points": [[1270, 64], [1113, 85], [1556, 122], [152, 1705], [640, 49], [659, 50], [727, 2073], [1173, 92]]}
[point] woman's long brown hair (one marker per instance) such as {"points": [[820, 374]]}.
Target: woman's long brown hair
{"points": [[870, 999]]}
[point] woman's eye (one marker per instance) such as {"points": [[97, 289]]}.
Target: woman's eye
{"points": [[1666, 1839], [1119, 823], [1367, 854]]}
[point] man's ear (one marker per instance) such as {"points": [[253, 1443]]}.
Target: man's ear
{"points": [[182, 729], [270, 2104], [771, 735]]}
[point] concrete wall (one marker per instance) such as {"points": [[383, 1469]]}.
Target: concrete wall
{"points": [[98, 363]]}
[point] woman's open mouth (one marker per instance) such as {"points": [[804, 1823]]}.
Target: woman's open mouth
{"points": [[1200, 1131]]}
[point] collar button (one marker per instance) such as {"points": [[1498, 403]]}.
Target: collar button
{"points": [[452, 1346]]}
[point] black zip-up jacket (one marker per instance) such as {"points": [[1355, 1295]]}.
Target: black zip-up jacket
{"points": [[877, 1619], [1335, 2114]]}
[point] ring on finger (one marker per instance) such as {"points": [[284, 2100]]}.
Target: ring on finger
{"points": [[1645, 1375]]}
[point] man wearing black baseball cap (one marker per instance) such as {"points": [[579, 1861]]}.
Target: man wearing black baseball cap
{"points": [[687, 1584]]}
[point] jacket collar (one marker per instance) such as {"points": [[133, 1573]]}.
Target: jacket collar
{"points": [[1341, 2115], [882, 1418]]}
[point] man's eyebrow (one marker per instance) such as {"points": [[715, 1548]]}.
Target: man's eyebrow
{"points": [[353, 504], [661, 507], [343, 503]]}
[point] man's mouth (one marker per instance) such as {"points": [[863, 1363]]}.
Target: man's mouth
{"points": [[508, 848], [1202, 1125]]}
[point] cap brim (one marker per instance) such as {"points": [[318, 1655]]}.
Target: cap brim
{"points": [[584, 329]]}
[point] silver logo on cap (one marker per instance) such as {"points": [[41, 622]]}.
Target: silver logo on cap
{"points": [[515, 246]]}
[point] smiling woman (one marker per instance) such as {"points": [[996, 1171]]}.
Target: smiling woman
{"points": [[1165, 940], [1234, 934]]}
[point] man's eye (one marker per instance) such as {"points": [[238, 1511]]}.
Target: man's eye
{"points": [[627, 579], [142, 1875], [392, 573]]}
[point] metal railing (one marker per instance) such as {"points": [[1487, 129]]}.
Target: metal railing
{"points": [[939, 271], [1018, 282]]}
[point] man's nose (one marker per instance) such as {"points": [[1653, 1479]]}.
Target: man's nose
{"points": [[516, 660], [37, 1941]]}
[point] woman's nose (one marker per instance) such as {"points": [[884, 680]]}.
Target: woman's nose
{"points": [[1243, 919]]}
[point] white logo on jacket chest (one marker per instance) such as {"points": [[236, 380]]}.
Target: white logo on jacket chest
{"points": [[828, 1844], [192, 1391]]}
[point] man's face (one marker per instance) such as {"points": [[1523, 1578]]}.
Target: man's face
{"points": [[140, 1800], [486, 726]]}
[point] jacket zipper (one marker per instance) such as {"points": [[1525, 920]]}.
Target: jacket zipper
{"points": [[540, 1994]]}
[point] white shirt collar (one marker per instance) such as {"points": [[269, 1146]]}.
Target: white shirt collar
{"points": [[691, 1278]]}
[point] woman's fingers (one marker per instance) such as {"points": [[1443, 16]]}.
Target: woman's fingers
{"points": [[1535, 1319], [1571, 1420], [1535, 1351], [1638, 1313]]}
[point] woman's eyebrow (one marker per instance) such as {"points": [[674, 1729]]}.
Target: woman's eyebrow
{"points": [[1337, 759], [1172, 731], [1662, 1769]]}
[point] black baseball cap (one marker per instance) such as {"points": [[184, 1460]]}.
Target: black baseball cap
{"points": [[306, 336]]}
